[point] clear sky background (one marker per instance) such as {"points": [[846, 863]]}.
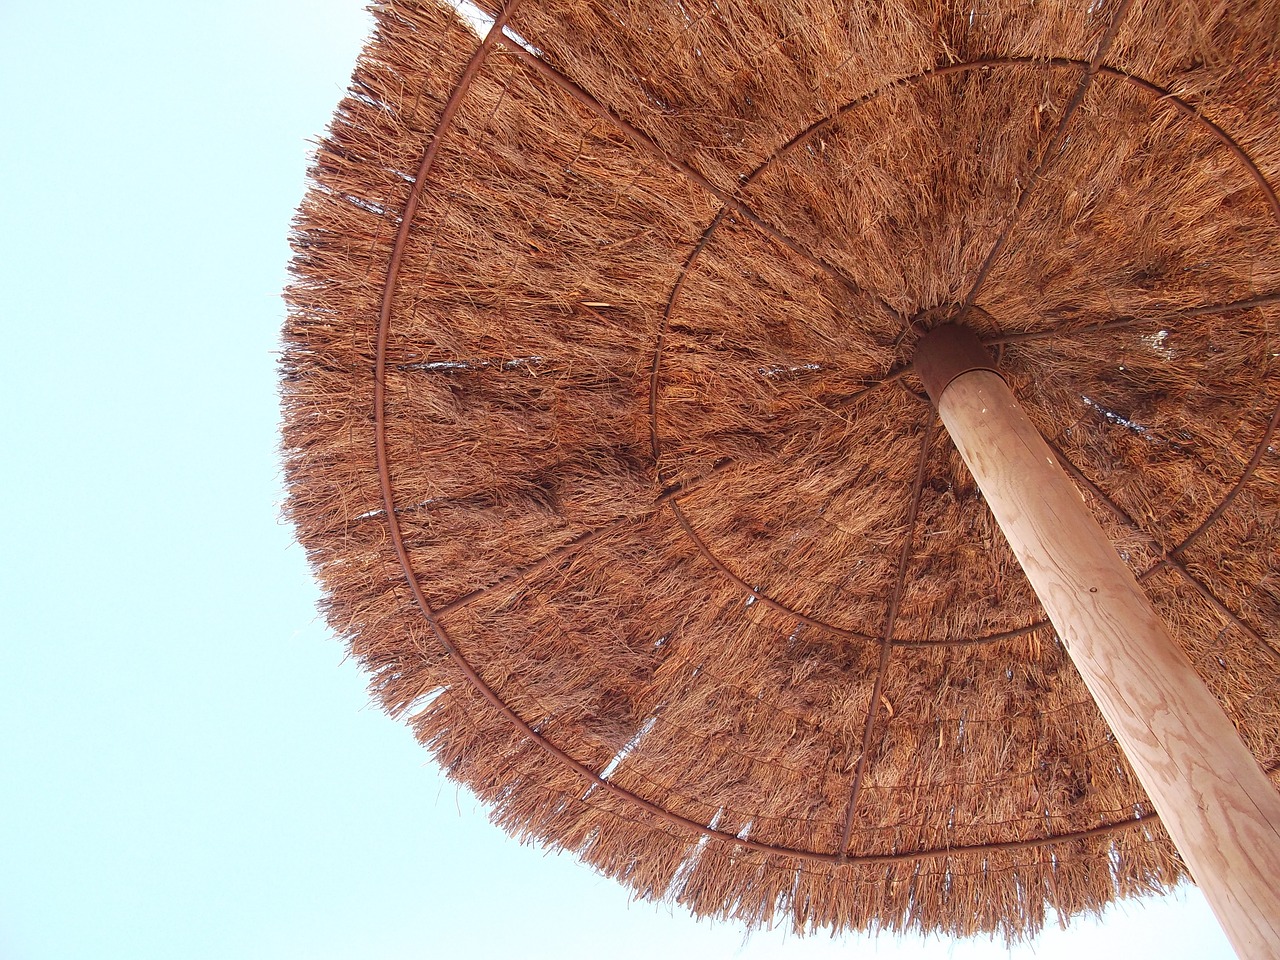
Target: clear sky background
{"points": [[188, 767]]}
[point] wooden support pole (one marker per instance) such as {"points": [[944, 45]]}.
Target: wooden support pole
{"points": [[1218, 806]]}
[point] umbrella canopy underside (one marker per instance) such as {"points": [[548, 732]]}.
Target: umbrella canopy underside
{"points": [[602, 436]]}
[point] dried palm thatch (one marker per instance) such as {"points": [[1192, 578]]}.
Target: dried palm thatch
{"points": [[603, 439]]}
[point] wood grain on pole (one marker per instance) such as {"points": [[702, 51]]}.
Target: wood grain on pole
{"points": [[1218, 806]]}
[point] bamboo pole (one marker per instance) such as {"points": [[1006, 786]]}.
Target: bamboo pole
{"points": [[1218, 806]]}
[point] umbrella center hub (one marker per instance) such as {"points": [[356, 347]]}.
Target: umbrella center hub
{"points": [[947, 352]]}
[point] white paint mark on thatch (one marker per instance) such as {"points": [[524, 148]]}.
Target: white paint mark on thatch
{"points": [[481, 23], [516, 38], [379, 512], [368, 206], [422, 703], [631, 745], [777, 369], [1120, 419], [475, 18], [1158, 342], [690, 863], [465, 366]]}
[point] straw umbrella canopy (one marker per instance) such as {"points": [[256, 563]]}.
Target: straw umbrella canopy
{"points": [[604, 437]]}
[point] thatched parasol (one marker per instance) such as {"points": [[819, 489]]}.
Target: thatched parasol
{"points": [[607, 438]]}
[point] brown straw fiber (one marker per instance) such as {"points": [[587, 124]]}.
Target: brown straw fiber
{"points": [[603, 441]]}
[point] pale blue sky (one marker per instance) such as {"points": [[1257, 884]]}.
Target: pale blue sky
{"points": [[188, 769]]}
